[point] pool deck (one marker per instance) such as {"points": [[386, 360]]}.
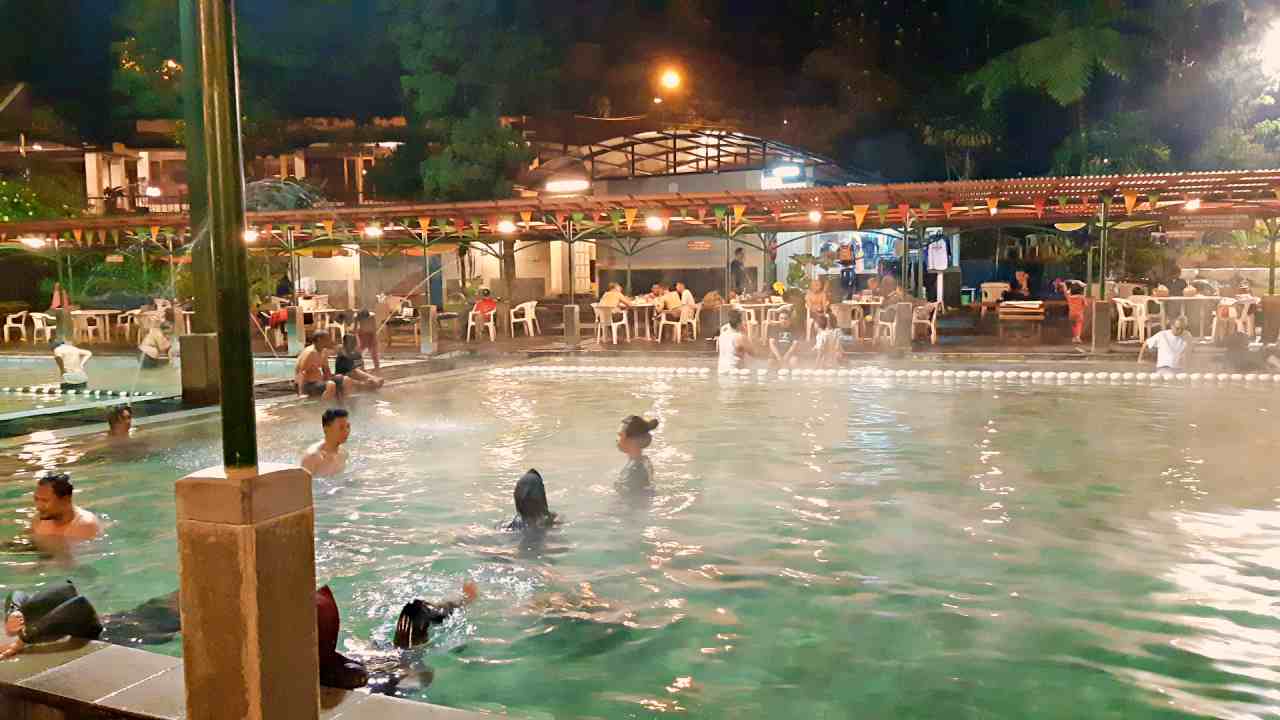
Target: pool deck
{"points": [[70, 680]]}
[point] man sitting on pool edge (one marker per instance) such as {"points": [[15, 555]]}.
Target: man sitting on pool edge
{"points": [[312, 375], [57, 515]]}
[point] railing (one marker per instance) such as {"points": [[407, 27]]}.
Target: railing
{"points": [[135, 203]]}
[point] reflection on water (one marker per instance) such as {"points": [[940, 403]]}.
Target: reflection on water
{"points": [[931, 551]]}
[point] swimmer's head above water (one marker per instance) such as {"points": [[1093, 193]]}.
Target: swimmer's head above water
{"points": [[120, 421], [531, 500], [635, 434]]}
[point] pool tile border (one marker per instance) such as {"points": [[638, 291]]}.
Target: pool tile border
{"points": [[117, 681]]}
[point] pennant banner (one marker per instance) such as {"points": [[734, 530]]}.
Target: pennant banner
{"points": [[328, 227], [1039, 207], [993, 205], [860, 214], [947, 207], [630, 215], [738, 212], [882, 210], [1130, 201], [526, 216]]}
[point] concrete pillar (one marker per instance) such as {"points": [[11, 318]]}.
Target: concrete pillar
{"points": [[93, 182], [297, 331], [246, 551], [427, 329], [201, 373], [572, 327], [144, 170], [1100, 324], [1270, 318], [902, 326]]}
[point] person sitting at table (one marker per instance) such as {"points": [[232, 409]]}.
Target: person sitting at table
{"points": [[284, 287], [873, 287], [614, 298], [686, 297], [889, 291], [668, 303], [154, 348], [485, 304], [1175, 283]]}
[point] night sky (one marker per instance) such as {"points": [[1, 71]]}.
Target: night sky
{"points": [[745, 60]]}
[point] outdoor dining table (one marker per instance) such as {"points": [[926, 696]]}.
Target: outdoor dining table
{"points": [[80, 322], [640, 315], [1197, 309], [757, 319]]}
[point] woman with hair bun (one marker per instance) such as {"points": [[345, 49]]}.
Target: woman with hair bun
{"points": [[633, 437]]}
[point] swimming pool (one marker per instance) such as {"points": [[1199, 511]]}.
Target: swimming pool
{"points": [[815, 549], [106, 372]]}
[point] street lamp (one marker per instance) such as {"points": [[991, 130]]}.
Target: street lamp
{"points": [[815, 216], [506, 227], [654, 223], [670, 79]]}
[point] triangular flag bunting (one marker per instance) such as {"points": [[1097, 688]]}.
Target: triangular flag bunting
{"points": [[526, 216], [424, 224], [860, 214], [905, 211], [1062, 201], [882, 209], [78, 233], [1154, 200], [947, 207], [328, 227], [630, 215], [993, 205], [720, 212], [738, 211], [1130, 201], [1039, 207]]}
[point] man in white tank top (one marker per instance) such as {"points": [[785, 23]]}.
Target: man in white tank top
{"points": [[732, 344]]}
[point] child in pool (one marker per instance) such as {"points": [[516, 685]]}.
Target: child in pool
{"points": [[633, 437]]}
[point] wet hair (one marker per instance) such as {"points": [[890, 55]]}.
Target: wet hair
{"points": [[332, 414], [821, 321], [59, 481], [634, 426], [363, 314], [531, 498], [348, 342], [739, 251], [317, 336], [117, 413], [735, 319], [54, 345]]}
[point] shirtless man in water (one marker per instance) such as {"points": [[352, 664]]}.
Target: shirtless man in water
{"points": [[57, 515], [327, 456], [312, 374]]}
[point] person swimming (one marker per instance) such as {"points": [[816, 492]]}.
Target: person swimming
{"points": [[531, 504], [633, 437], [60, 611], [417, 617]]}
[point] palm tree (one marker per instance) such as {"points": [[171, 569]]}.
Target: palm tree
{"points": [[1077, 39]]}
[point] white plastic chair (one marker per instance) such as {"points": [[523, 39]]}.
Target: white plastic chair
{"points": [[887, 327], [927, 315], [525, 314], [1238, 313], [89, 327], [126, 323], [748, 321], [42, 324], [608, 319], [774, 317], [485, 321], [16, 321], [992, 292], [1126, 319], [686, 318]]}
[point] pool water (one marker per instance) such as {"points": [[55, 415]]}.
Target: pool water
{"points": [[871, 550], [106, 372]]}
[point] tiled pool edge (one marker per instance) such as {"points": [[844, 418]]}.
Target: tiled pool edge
{"points": [[75, 680]]}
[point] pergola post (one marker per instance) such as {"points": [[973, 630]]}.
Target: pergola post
{"points": [[246, 550]]}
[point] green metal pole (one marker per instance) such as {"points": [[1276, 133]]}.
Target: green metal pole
{"points": [[1102, 253], [203, 270], [221, 139], [1273, 229]]}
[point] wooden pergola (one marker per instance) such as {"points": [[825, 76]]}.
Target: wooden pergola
{"points": [[426, 228], [965, 204]]}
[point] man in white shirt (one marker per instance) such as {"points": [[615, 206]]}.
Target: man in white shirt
{"points": [[668, 303], [686, 297], [1171, 347], [71, 361]]}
